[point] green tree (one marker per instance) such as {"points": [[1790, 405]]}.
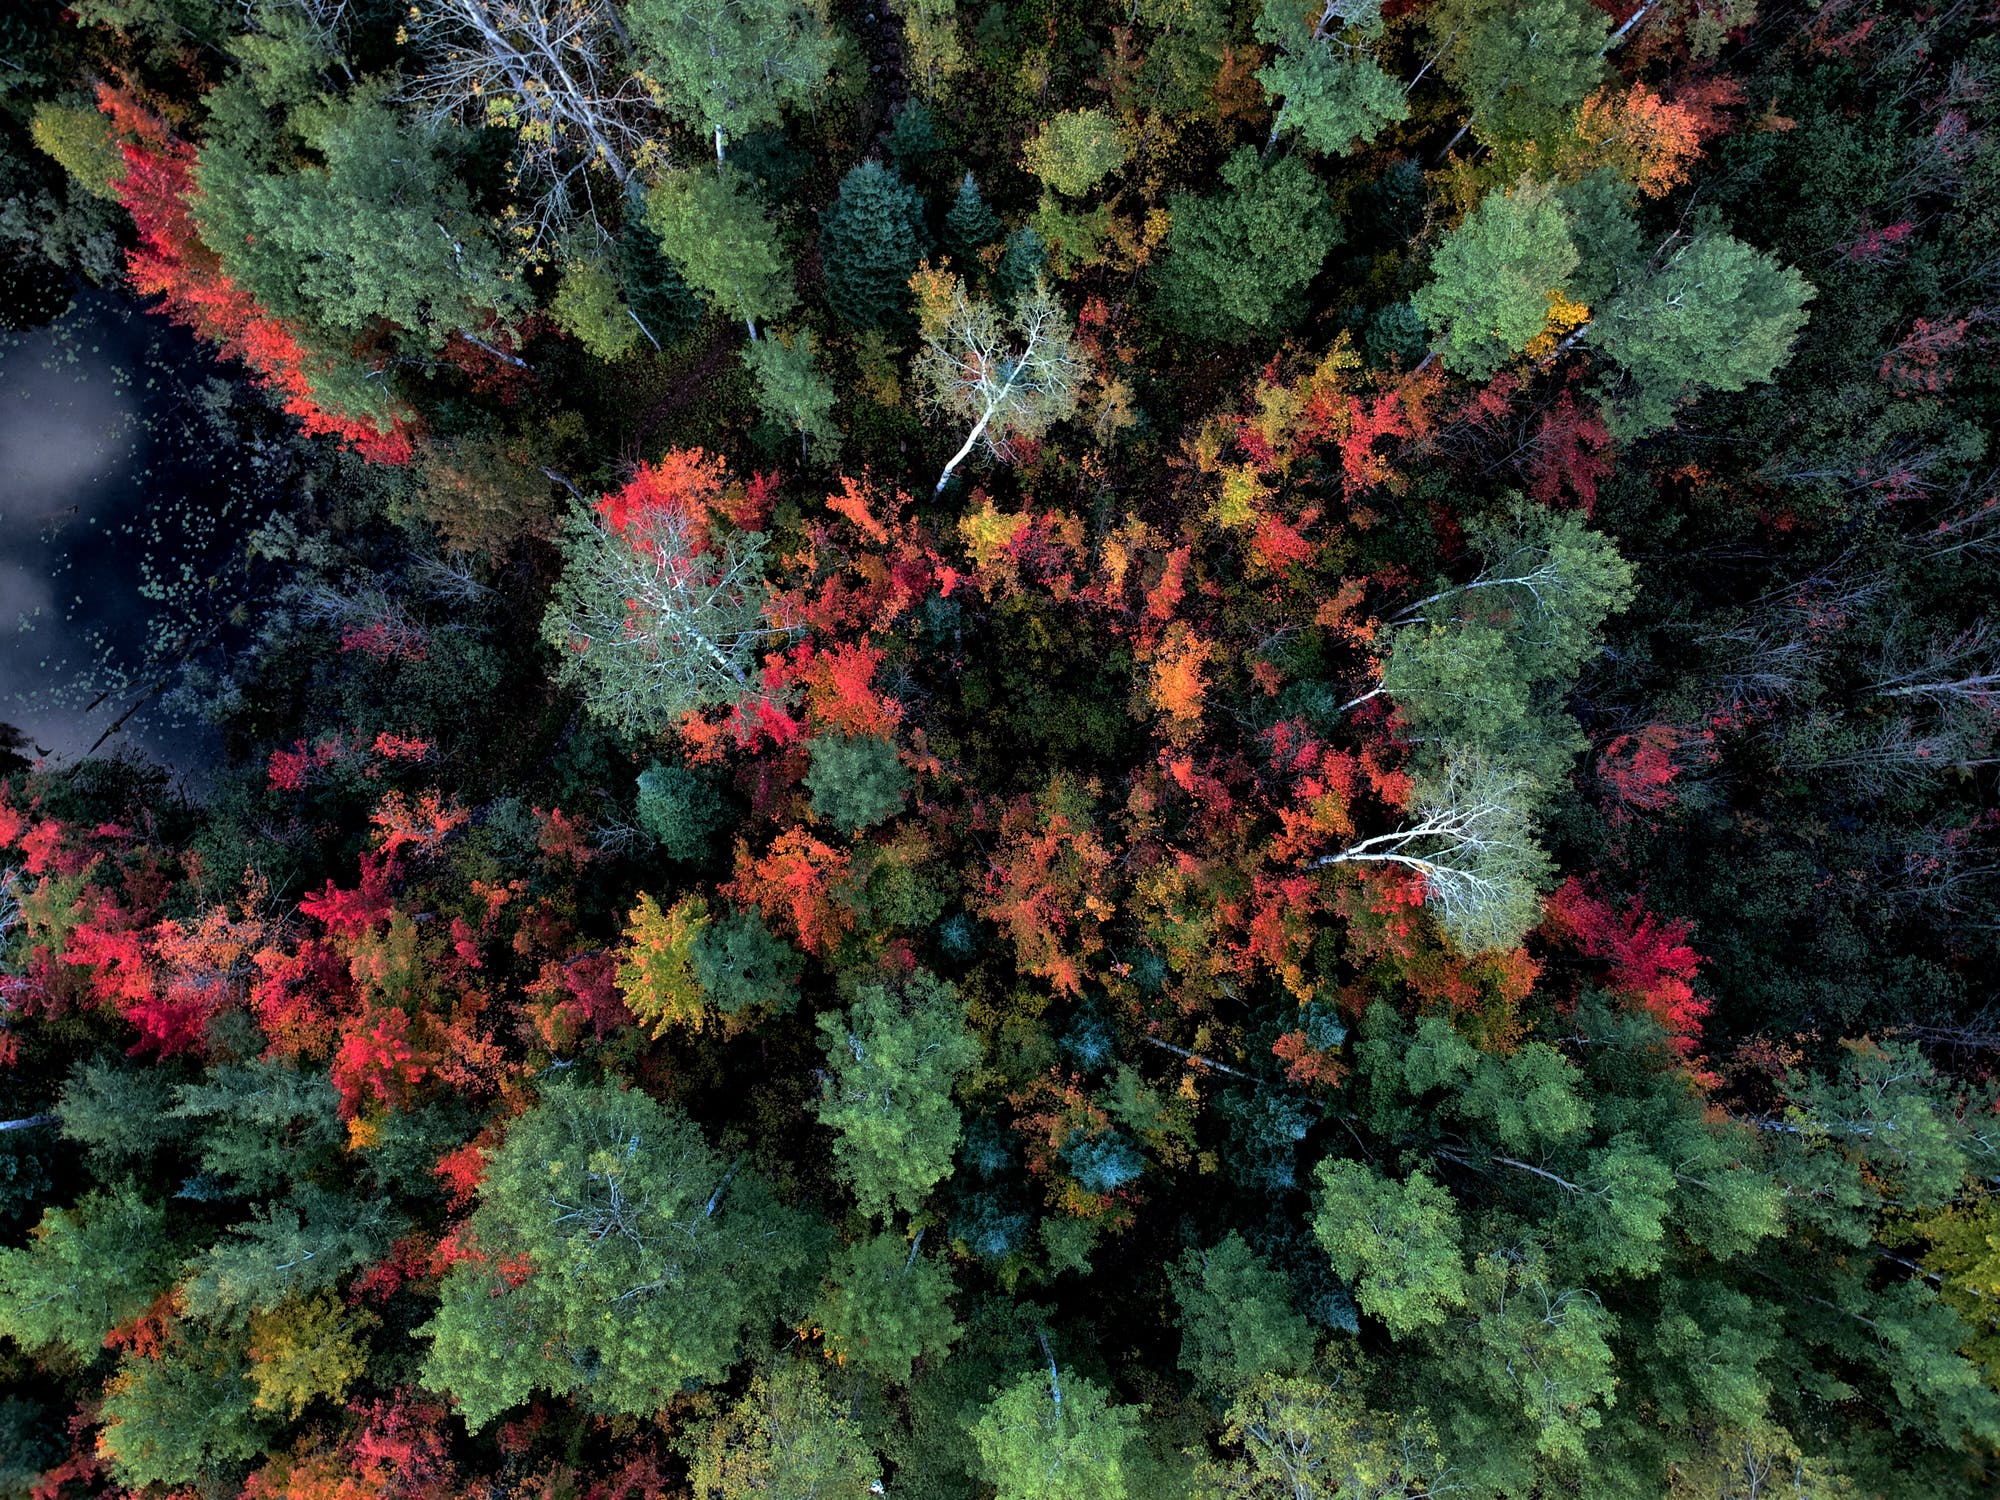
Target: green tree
{"points": [[791, 390], [79, 138], [969, 225], [1716, 314], [786, 1437], [261, 1125], [727, 68], [741, 964], [656, 620], [1236, 1317], [84, 1271], [294, 1248], [377, 227], [870, 243], [681, 810], [1335, 95], [856, 781], [1310, 1437], [1494, 277], [884, 1306], [587, 306], [1398, 1242], [116, 1112], [1056, 1436], [1524, 68], [713, 229], [1237, 265], [185, 1416], [621, 1259], [1075, 150], [892, 1060]]}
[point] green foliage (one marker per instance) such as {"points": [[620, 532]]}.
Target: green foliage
{"points": [[915, 140], [716, 234], [1398, 1242], [870, 241], [1335, 95], [118, 1114], [681, 810], [1494, 277], [1717, 314], [79, 138], [381, 228], [790, 388], [1237, 265], [970, 226], [182, 1417], [84, 1271], [892, 1061], [647, 1259], [1526, 68], [260, 1125], [787, 1436], [740, 965], [728, 68], [290, 1249], [884, 1307], [587, 307], [1035, 1446], [1309, 1437], [856, 781], [1075, 150], [1237, 1321], [1605, 232]]}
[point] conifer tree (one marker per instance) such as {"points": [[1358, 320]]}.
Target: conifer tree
{"points": [[871, 240], [1237, 264], [969, 226]]}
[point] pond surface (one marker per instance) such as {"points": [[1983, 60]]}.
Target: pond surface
{"points": [[125, 492]]}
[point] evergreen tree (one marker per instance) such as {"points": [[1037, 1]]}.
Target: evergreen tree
{"points": [[1237, 265], [84, 1271], [856, 781], [681, 810], [871, 240], [741, 965], [970, 226], [791, 390]]}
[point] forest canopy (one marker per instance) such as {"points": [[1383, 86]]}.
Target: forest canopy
{"points": [[1040, 750]]}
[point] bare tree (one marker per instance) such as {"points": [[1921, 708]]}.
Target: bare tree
{"points": [[1011, 375], [553, 71], [1472, 842]]}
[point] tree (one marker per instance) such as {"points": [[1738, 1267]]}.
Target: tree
{"points": [[1495, 277], [714, 230], [884, 1307], [856, 781], [1470, 840], [680, 810], [1237, 265], [553, 73], [870, 243], [791, 390], [303, 1349], [288, 1250], [1717, 314], [892, 1061], [588, 308], [1056, 1436], [653, 619], [741, 965], [1335, 95], [619, 1259], [1074, 151], [1397, 1243], [1012, 375], [381, 229], [786, 1437], [1236, 1317], [1309, 1437], [84, 1271], [1525, 68], [181, 1417], [656, 974], [727, 68], [969, 225]]}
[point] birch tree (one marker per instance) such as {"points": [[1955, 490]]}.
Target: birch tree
{"points": [[655, 619], [1471, 841], [726, 67], [1334, 94], [1012, 374], [554, 72]]}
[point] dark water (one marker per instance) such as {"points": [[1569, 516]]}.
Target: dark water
{"points": [[125, 492]]}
